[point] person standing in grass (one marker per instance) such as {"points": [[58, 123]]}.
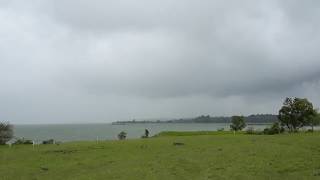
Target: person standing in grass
{"points": [[146, 133]]}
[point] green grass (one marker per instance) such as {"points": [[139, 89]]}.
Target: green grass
{"points": [[211, 156], [194, 133]]}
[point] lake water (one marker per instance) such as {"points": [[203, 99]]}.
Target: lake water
{"points": [[79, 132]]}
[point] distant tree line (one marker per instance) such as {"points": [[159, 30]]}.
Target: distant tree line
{"points": [[257, 118]]}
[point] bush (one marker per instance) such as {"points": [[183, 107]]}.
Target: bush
{"points": [[220, 129], [274, 129], [266, 131], [6, 132], [309, 131], [50, 141], [122, 135], [250, 130], [23, 141]]}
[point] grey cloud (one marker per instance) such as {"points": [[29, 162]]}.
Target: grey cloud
{"points": [[74, 61]]}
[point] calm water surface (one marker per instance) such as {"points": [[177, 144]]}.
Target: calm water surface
{"points": [[79, 132]]}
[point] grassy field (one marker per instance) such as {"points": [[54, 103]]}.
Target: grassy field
{"points": [[210, 155]]}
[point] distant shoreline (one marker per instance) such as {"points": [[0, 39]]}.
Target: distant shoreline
{"points": [[128, 123], [251, 119]]}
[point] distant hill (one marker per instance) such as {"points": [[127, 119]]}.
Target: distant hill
{"points": [[255, 118]]}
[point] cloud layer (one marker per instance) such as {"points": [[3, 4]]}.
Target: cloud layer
{"points": [[101, 61]]}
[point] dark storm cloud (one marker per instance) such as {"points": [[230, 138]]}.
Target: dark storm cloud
{"points": [[71, 61]]}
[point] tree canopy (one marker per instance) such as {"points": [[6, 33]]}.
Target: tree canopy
{"points": [[296, 113], [238, 123], [6, 132], [315, 120]]}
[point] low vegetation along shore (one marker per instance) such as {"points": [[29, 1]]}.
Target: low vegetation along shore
{"points": [[170, 155]]}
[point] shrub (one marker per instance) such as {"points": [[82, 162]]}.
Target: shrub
{"points": [[49, 141], [250, 130], [309, 131], [122, 135], [266, 131], [274, 129], [6, 132], [23, 141]]}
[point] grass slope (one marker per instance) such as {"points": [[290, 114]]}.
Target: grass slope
{"points": [[213, 156]]}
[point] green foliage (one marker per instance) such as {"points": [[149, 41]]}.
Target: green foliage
{"points": [[6, 132], [250, 130], [276, 128], [315, 120], [238, 123], [268, 131], [49, 141], [23, 141], [296, 113], [122, 135]]}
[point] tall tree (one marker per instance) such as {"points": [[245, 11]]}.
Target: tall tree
{"points": [[6, 132], [296, 113], [238, 123]]}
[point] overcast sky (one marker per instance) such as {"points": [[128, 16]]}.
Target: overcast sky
{"points": [[68, 61]]}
